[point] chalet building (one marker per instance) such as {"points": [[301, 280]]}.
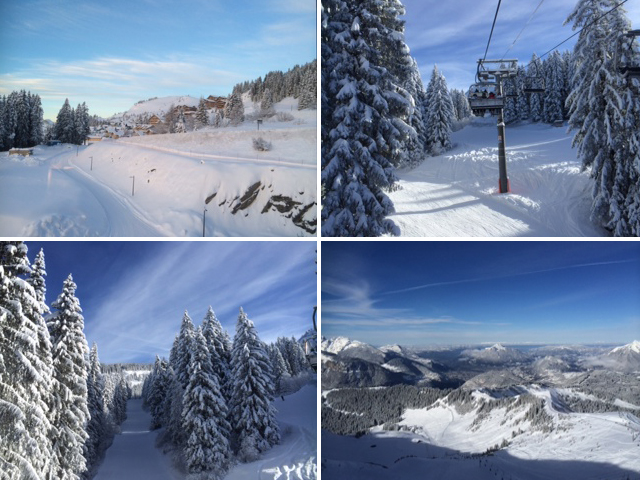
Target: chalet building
{"points": [[25, 152], [93, 139], [215, 102], [154, 120]]}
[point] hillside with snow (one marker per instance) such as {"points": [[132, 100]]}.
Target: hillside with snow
{"points": [[160, 185], [528, 434], [155, 106]]}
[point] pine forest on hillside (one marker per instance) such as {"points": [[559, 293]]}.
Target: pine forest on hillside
{"points": [[378, 119], [60, 408]]}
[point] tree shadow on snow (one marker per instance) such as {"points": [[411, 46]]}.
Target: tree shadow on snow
{"points": [[407, 456]]}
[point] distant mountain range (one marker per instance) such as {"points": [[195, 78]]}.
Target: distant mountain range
{"points": [[350, 363]]}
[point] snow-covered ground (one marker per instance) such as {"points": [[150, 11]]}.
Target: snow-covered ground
{"points": [[87, 191], [134, 455], [296, 456], [450, 445], [456, 194]]}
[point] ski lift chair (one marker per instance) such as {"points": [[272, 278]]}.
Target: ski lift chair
{"points": [[482, 96], [532, 82], [630, 70]]}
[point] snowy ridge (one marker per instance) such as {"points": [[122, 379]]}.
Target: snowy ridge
{"points": [[629, 348], [157, 106]]}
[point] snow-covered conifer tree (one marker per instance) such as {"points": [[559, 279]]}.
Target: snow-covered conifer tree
{"points": [[522, 101], [278, 367], [535, 73], [234, 109], [605, 113], [553, 101], [440, 114], [64, 123], [158, 388], [35, 121], [266, 105], [183, 350], [97, 428], [70, 355], [219, 351], [252, 411], [361, 140], [25, 372], [204, 416], [202, 117], [308, 88]]}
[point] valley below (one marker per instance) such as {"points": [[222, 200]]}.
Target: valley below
{"points": [[506, 412]]}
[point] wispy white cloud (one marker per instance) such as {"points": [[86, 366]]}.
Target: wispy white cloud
{"points": [[142, 312], [509, 275]]}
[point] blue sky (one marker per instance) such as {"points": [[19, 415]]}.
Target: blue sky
{"points": [[454, 34], [134, 294], [112, 54], [453, 293]]}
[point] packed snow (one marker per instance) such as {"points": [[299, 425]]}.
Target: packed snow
{"points": [[456, 193], [134, 453], [90, 190]]}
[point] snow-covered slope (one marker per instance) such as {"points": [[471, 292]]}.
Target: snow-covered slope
{"points": [[157, 106], [295, 457], [495, 354], [87, 191], [347, 348], [455, 194], [351, 363], [520, 434]]}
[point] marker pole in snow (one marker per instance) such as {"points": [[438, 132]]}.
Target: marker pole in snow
{"points": [[133, 184], [91, 163], [204, 214]]}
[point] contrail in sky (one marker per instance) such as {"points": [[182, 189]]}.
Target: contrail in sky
{"points": [[497, 277]]}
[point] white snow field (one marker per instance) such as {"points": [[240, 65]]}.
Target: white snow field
{"points": [[134, 456], [448, 445], [246, 193], [456, 193]]}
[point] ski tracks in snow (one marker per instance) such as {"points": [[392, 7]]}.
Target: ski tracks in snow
{"points": [[133, 454], [456, 194], [123, 218]]}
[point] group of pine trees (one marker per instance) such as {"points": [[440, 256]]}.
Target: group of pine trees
{"points": [[214, 397], [554, 75], [57, 411], [298, 82], [73, 125], [376, 114], [604, 110], [21, 123]]}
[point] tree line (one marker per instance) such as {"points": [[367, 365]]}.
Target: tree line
{"points": [[58, 411], [72, 125], [21, 121], [214, 396], [352, 411], [298, 82]]}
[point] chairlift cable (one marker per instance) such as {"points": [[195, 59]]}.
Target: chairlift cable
{"points": [[525, 26], [578, 32], [491, 34]]}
